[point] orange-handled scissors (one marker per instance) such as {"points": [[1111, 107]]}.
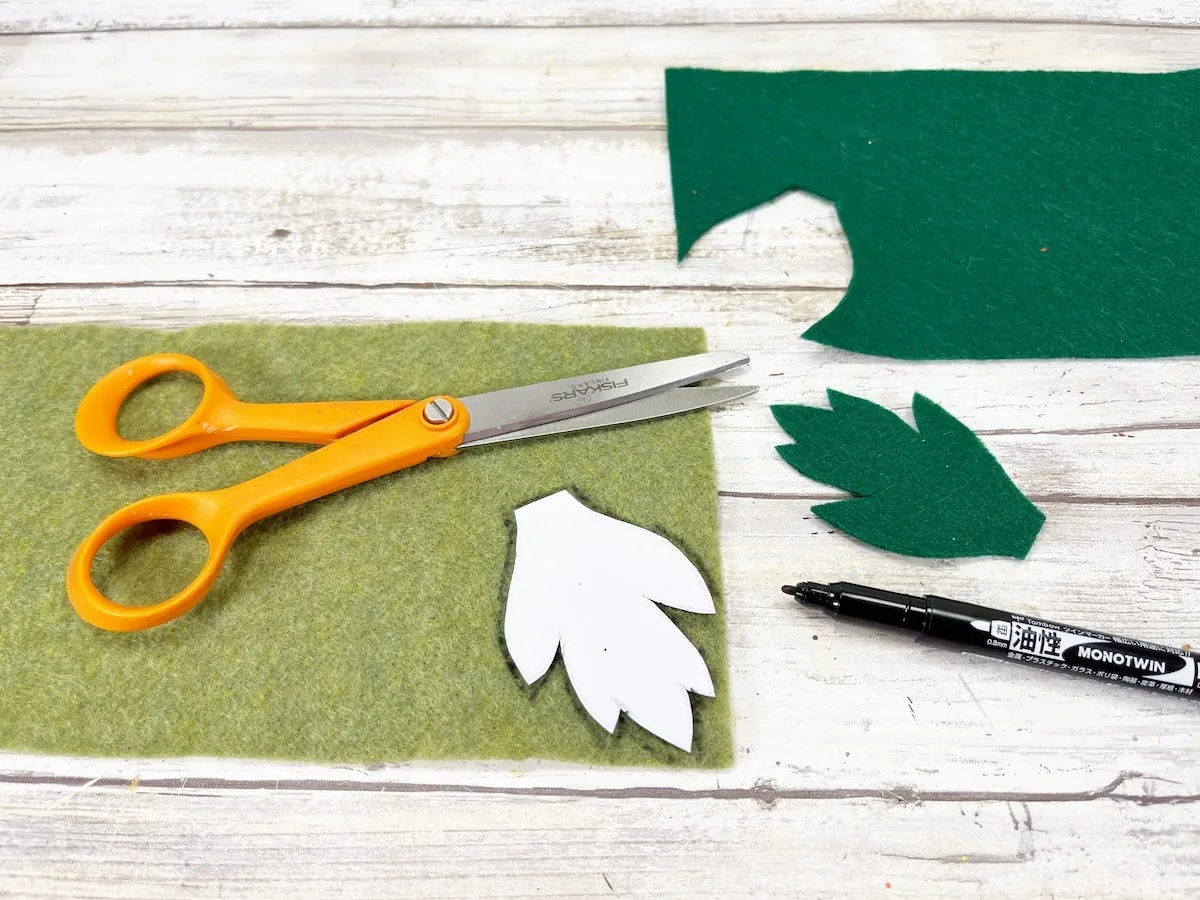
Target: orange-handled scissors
{"points": [[364, 440]]}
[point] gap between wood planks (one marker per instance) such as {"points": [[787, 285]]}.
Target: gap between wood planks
{"points": [[302, 129], [764, 790], [411, 285], [576, 26], [1069, 499]]}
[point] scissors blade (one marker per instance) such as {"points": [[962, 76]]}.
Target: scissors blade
{"points": [[655, 406], [521, 408]]}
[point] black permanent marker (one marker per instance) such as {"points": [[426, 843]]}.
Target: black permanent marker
{"points": [[1008, 635]]}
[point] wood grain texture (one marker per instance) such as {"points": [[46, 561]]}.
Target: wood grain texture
{"points": [[555, 79], [377, 207], [29, 16], [378, 161], [169, 844]]}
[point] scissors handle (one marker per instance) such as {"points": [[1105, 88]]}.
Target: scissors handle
{"points": [[396, 442], [219, 418]]}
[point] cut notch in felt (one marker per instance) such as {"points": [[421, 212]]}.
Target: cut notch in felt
{"points": [[363, 627], [932, 491], [990, 215]]}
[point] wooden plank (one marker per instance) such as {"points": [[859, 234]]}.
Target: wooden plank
{"points": [[888, 703], [1098, 430], [890, 715], [513, 208], [22, 16], [118, 842], [493, 78], [517, 207]]}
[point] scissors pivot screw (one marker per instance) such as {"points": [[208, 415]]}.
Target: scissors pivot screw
{"points": [[439, 411]]}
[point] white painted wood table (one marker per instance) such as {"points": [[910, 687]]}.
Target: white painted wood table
{"points": [[168, 163]]}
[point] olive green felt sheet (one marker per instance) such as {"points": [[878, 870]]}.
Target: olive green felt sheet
{"points": [[366, 626], [990, 215]]}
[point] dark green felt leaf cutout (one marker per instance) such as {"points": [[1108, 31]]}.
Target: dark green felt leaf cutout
{"points": [[933, 491], [991, 215]]}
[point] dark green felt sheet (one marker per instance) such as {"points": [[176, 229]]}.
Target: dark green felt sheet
{"points": [[990, 214], [363, 627]]}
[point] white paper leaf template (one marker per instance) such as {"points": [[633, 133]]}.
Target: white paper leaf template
{"points": [[589, 583]]}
